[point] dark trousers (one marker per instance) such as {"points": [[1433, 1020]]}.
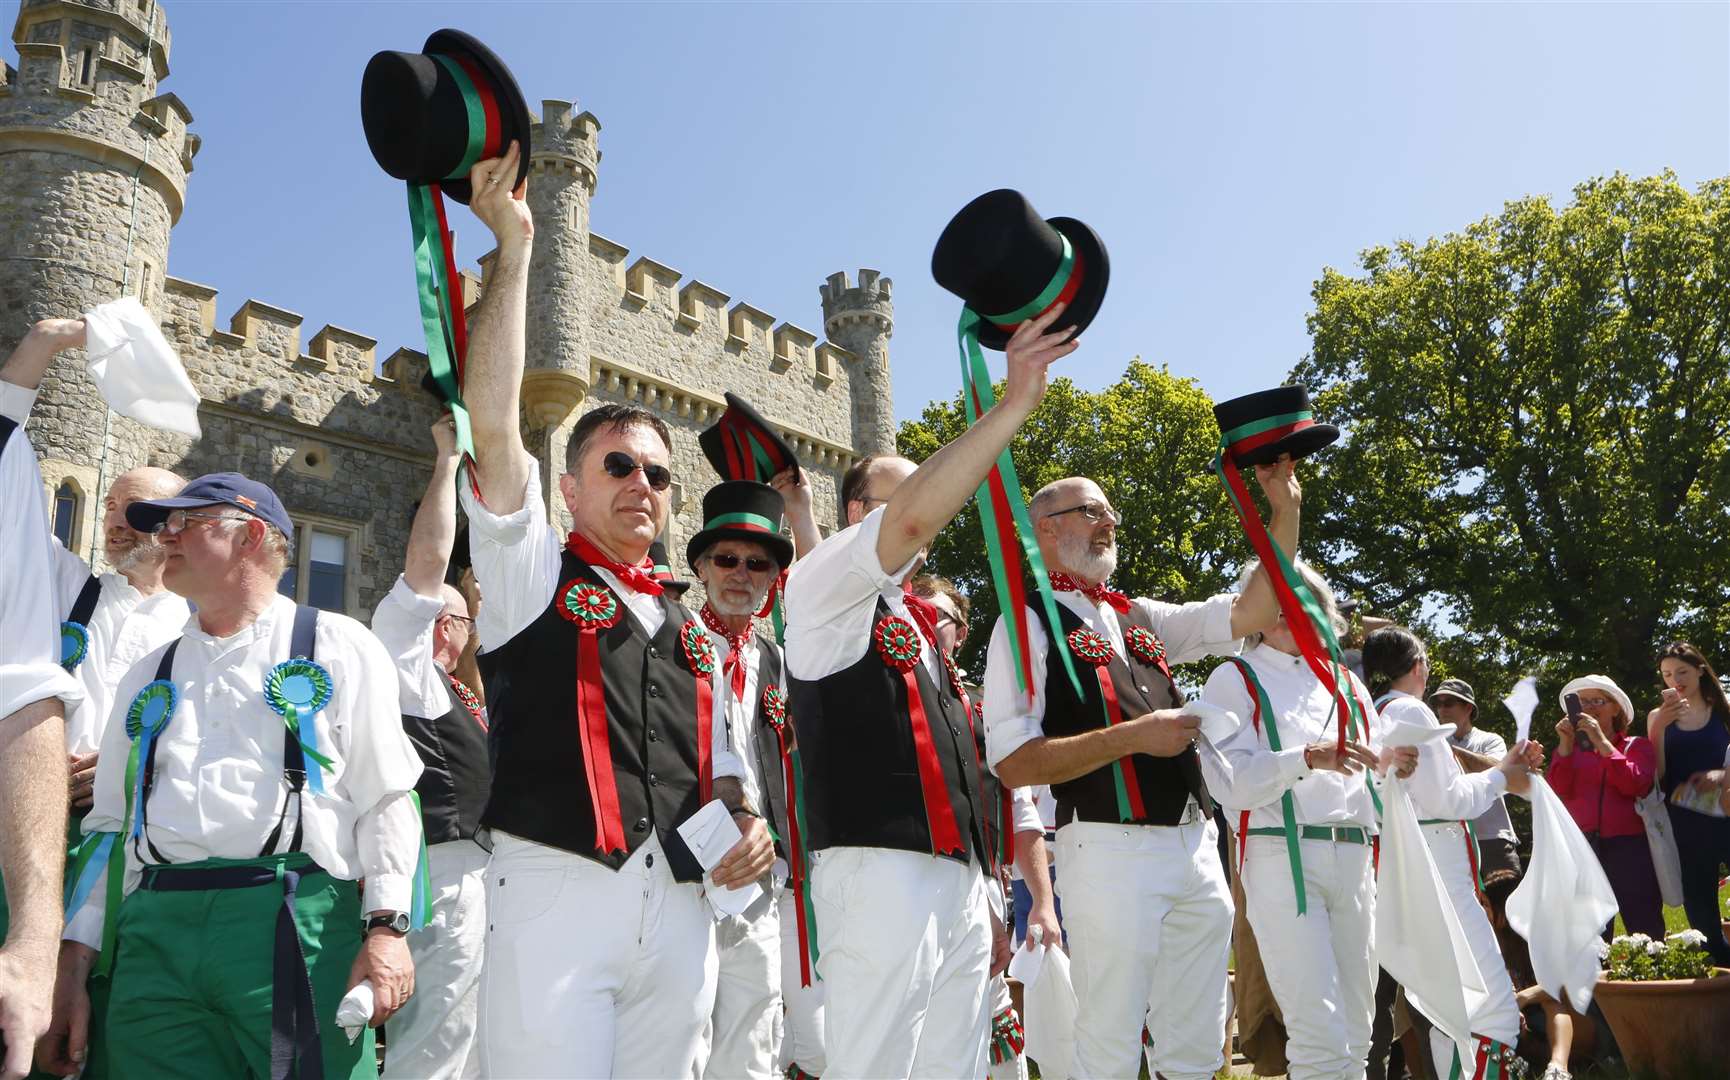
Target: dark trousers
{"points": [[1704, 844], [1627, 862]]}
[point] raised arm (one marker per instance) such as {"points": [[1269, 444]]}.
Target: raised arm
{"points": [[1257, 609], [434, 532], [493, 371], [926, 501], [795, 490], [30, 360]]}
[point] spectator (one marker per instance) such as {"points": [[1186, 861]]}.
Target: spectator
{"points": [[1600, 771], [1478, 749], [1691, 732]]}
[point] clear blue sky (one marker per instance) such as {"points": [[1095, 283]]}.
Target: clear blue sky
{"points": [[1226, 153]]}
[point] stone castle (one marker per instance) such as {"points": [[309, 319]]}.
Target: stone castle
{"points": [[94, 162]]}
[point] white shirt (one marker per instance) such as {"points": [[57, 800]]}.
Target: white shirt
{"points": [[1190, 631], [125, 625], [404, 622], [1440, 789], [29, 618], [516, 563], [219, 786], [1305, 712], [831, 602], [745, 738]]}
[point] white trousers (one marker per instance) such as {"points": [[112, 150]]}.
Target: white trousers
{"points": [[1148, 914], [433, 1036], [1318, 964], [742, 1030], [905, 943], [1499, 1015], [802, 1025], [591, 971]]}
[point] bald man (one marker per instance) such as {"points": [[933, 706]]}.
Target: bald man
{"points": [[107, 621], [426, 624]]}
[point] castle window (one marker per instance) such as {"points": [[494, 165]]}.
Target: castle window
{"points": [[87, 65], [318, 572], [65, 512]]}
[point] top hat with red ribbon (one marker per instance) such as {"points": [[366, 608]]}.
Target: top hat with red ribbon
{"points": [[429, 116], [663, 570], [743, 510], [743, 446], [1010, 265], [1257, 428]]}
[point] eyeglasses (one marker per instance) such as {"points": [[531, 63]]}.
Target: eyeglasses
{"points": [[620, 465], [1594, 702], [468, 623], [869, 499], [1093, 512], [726, 560], [176, 521]]}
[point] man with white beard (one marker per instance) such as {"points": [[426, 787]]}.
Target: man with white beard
{"points": [[1145, 901], [108, 621]]}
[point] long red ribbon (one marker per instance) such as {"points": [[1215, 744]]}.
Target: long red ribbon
{"points": [[945, 834], [1132, 786], [795, 848], [705, 733], [597, 747]]}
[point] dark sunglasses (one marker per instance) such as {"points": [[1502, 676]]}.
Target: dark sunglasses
{"points": [[620, 465], [726, 560]]}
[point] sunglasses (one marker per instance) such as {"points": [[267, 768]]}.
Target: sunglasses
{"points": [[620, 465], [726, 560]]}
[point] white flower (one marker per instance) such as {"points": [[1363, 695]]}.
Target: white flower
{"points": [[1638, 941], [1603, 949], [1654, 948], [1690, 937]]}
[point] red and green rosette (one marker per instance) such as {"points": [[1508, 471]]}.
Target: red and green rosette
{"points": [[74, 644], [593, 608], [775, 706], [1095, 649], [700, 654], [1144, 644], [1091, 647], [297, 689], [898, 643]]}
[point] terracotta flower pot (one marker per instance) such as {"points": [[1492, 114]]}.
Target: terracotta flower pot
{"points": [[1669, 1027]]}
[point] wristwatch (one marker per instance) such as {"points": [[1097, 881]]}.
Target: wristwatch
{"points": [[389, 920]]}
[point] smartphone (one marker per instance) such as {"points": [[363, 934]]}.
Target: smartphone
{"points": [[1575, 713]]}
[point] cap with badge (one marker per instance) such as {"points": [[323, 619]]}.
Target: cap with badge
{"points": [[213, 489]]}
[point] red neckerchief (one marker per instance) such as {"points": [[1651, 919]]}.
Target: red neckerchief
{"points": [[1099, 594], [924, 613], [468, 698], [734, 665], [639, 578]]}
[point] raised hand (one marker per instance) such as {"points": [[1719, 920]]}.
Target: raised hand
{"points": [[444, 433], [502, 210], [1280, 483], [1031, 351]]}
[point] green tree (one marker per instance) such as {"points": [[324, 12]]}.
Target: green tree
{"points": [[1537, 410], [1148, 440]]}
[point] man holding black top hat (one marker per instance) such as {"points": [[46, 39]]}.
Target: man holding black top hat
{"points": [[900, 862], [600, 687]]}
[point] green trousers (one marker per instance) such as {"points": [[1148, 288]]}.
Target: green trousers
{"points": [[193, 977]]}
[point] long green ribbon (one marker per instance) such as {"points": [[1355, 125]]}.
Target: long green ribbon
{"points": [[1288, 809], [804, 870], [420, 896], [477, 113], [291, 718], [1048, 295], [1000, 494], [431, 276], [741, 518], [117, 870]]}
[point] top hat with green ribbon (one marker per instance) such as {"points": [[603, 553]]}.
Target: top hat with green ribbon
{"points": [[663, 571], [743, 510], [430, 116], [744, 446], [1257, 428], [1011, 265]]}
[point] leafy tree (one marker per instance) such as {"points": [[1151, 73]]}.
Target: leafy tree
{"points": [[1537, 411], [1148, 441]]}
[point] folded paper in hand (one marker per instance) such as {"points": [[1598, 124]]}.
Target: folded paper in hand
{"points": [[710, 833], [1217, 724], [136, 369]]}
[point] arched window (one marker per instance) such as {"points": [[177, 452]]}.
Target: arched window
{"points": [[65, 511]]}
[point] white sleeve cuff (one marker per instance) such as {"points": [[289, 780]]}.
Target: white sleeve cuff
{"points": [[1291, 764], [510, 528], [16, 402], [388, 892]]}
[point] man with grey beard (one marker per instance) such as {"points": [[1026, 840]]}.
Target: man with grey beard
{"points": [[1146, 905]]}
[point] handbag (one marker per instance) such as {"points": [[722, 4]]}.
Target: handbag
{"points": [[1666, 861]]}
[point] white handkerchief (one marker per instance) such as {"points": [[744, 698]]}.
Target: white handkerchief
{"points": [[1406, 733], [355, 1010], [710, 833], [136, 369], [1521, 702], [1217, 724], [1563, 901]]}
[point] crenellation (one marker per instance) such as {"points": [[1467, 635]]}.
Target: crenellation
{"points": [[271, 330], [200, 300], [698, 302], [405, 368], [747, 326], [647, 280], [343, 353], [792, 346]]}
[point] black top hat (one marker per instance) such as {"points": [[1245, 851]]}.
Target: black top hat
{"points": [[1008, 264], [742, 510], [416, 110], [742, 445], [663, 570], [1259, 427]]}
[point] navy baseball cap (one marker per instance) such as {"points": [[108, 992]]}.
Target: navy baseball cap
{"points": [[214, 489]]}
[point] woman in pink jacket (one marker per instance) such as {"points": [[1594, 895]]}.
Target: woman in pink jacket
{"points": [[1599, 770]]}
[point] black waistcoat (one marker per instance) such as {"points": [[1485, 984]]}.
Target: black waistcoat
{"points": [[1166, 783], [453, 785], [856, 748], [540, 791], [765, 745]]}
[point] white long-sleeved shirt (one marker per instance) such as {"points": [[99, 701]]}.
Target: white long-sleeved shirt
{"points": [[516, 562], [125, 625], [403, 622], [30, 668], [746, 739], [1305, 713], [218, 788], [1190, 631], [1440, 789]]}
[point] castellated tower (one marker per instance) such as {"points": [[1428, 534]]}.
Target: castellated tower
{"points": [[93, 165], [860, 319]]}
